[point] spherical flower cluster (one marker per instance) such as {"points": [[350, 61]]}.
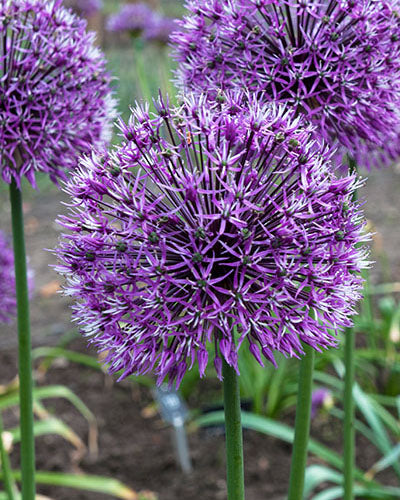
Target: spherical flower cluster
{"points": [[140, 20], [213, 225], [159, 29], [55, 100], [84, 7], [131, 17], [8, 303], [336, 62]]}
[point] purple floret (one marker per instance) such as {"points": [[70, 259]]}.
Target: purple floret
{"points": [[55, 99], [336, 62], [133, 18], [213, 225]]}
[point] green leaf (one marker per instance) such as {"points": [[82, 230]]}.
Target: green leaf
{"points": [[275, 388], [51, 391], [377, 355], [8, 480], [330, 494], [387, 418], [51, 353], [58, 391], [366, 407], [359, 426], [333, 382], [384, 493], [392, 401], [4, 496], [385, 462], [246, 384], [317, 474], [99, 484], [51, 425]]}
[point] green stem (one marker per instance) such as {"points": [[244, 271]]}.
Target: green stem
{"points": [[8, 479], [24, 347], [141, 72], [348, 421], [349, 436], [302, 425], [367, 309], [233, 432]]}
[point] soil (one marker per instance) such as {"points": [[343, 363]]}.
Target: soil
{"points": [[134, 444]]}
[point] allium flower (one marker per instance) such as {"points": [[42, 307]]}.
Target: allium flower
{"points": [[336, 62], [159, 29], [140, 20], [133, 18], [84, 7], [321, 398], [8, 303], [55, 100], [211, 226]]}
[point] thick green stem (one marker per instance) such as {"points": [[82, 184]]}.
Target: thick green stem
{"points": [[302, 426], [8, 479], [349, 435], [24, 348], [233, 432]]}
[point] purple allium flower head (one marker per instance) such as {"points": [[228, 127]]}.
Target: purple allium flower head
{"points": [[84, 7], [55, 101], [213, 225], [8, 304], [336, 62], [133, 18], [159, 29], [320, 398]]}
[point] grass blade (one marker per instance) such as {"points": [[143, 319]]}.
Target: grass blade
{"points": [[51, 353], [51, 391], [330, 494], [51, 425], [317, 474], [385, 462], [58, 391], [84, 482], [366, 407], [8, 480]]}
